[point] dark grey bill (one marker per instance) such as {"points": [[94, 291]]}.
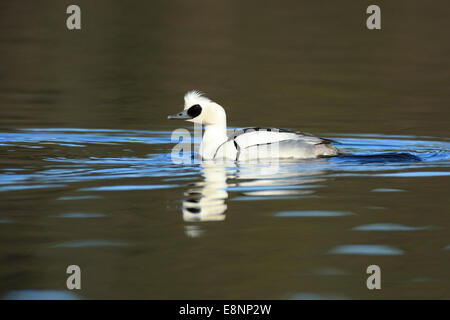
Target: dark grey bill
{"points": [[183, 115]]}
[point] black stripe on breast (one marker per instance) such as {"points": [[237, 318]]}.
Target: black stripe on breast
{"points": [[217, 150], [238, 149]]}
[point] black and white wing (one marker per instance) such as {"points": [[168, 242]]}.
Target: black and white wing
{"points": [[257, 143]]}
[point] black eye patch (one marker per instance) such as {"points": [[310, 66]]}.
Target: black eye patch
{"points": [[194, 111]]}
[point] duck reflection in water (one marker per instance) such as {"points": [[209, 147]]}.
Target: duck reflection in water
{"points": [[207, 200]]}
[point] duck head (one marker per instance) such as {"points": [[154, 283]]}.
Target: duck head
{"points": [[199, 109]]}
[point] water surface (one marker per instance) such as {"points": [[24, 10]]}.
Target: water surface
{"points": [[118, 206]]}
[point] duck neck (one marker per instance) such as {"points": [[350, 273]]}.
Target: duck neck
{"points": [[214, 136]]}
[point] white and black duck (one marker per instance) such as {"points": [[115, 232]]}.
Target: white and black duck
{"points": [[248, 143]]}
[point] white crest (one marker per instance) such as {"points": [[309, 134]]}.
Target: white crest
{"points": [[195, 97]]}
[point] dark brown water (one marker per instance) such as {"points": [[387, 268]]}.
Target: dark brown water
{"points": [[86, 175]]}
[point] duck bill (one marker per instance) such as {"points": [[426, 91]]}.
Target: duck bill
{"points": [[180, 116]]}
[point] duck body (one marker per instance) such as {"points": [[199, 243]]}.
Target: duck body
{"points": [[249, 143], [263, 143]]}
